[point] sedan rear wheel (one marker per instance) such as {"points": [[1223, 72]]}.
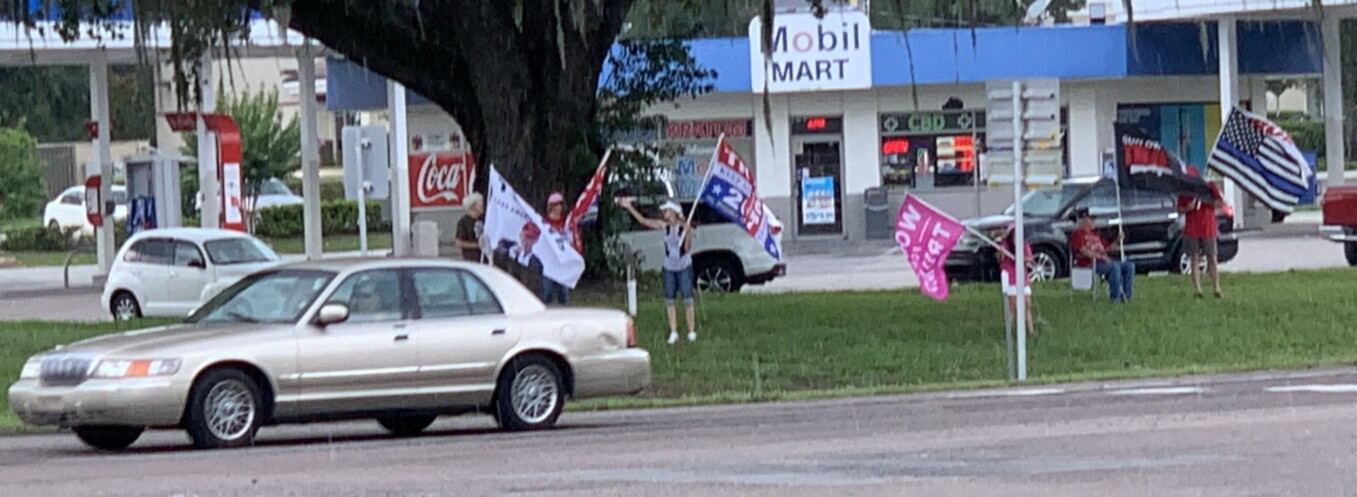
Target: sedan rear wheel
{"points": [[404, 425], [225, 410], [109, 438], [530, 394]]}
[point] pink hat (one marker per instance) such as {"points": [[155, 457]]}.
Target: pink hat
{"points": [[555, 198]]}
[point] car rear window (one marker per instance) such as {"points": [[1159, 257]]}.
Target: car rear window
{"points": [[238, 251]]}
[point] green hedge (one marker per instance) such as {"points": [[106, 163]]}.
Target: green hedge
{"points": [[1309, 135], [38, 239], [329, 189], [337, 217]]}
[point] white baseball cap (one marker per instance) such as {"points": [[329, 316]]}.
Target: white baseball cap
{"points": [[671, 206]]}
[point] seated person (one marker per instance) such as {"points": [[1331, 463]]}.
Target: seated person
{"points": [[1091, 250]]}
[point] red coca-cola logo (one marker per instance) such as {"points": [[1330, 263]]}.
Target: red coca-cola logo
{"points": [[440, 180]]}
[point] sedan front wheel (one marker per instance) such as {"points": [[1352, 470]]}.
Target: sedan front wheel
{"points": [[225, 410]]}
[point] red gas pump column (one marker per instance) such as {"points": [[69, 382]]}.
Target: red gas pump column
{"points": [[229, 172]]}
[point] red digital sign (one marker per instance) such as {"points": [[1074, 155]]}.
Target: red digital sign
{"points": [[815, 124], [895, 146]]}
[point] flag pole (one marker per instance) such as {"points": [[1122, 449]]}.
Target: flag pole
{"points": [[1116, 184], [706, 178]]}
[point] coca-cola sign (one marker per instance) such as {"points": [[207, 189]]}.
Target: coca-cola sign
{"points": [[440, 180]]}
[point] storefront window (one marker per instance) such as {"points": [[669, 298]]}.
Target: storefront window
{"points": [[931, 149]]}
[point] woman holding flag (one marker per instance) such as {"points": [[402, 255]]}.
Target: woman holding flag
{"points": [[678, 262]]}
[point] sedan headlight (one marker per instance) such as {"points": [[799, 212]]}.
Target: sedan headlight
{"points": [[120, 368], [32, 369]]}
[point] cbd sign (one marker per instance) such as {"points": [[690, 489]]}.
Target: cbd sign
{"points": [[440, 180]]}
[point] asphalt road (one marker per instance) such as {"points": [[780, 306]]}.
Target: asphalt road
{"points": [[1232, 435]]}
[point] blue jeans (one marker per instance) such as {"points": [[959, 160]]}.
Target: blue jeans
{"points": [[1120, 278], [678, 283], [553, 289]]}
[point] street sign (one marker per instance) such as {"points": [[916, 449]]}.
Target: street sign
{"points": [[1037, 112], [366, 164]]}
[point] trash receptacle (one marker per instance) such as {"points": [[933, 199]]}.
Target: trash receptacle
{"points": [[878, 214]]}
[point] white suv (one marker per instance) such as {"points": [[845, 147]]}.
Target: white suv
{"points": [[725, 258]]}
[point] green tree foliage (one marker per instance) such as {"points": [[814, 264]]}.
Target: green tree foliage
{"points": [[21, 190], [53, 103]]}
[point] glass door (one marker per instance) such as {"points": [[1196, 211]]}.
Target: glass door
{"points": [[819, 185]]}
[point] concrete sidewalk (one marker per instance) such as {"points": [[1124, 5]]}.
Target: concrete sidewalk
{"points": [[50, 280]]}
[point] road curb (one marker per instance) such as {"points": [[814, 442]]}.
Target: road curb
{"points": [[51, 292]]}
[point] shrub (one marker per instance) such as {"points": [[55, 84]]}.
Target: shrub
{"points": [[21, 191], [1309, 135], [330, 189], [39, 239], [337, 217]]}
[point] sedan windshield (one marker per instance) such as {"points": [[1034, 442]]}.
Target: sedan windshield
{"points": [[267, 297], [239, 251], [1046, 203]]}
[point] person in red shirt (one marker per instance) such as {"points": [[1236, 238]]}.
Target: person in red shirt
{"points": [[1091, 250], [1199, 235]]}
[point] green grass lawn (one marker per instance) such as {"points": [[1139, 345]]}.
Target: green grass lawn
{"points": [[761, 347], [32, 259], [380, 240]]}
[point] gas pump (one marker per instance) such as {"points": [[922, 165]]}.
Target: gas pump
{"points": [[153, 192], [229, 172]]}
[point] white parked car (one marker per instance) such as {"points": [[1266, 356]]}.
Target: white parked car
{"points": [[725, 257], [272, 193], [67, 211], [170, 272]]}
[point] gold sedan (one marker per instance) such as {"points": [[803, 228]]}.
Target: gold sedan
{"points": [[399, 341]]}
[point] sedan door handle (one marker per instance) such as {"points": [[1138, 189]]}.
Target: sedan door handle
{"points": [[402, 337], [499, 331]]}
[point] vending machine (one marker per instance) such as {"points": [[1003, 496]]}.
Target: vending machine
{"points": [[153, 191]]}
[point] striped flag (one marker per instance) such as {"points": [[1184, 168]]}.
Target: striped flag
{"points": [[586, 207], [1261, 158]]}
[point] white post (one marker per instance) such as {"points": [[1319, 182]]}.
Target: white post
{"points": [[363, 149], [400, 170], [1229, 98], [104, 154], [311, 222], [631, 290], [1336, 153], [1019, 256], [209, 187]]}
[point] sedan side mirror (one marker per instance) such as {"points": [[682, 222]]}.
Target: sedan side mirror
{"points": [[332, 314]]}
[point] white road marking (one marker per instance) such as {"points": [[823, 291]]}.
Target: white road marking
{"points": [[1029, 392], [1347, 388], [1159, 391]]}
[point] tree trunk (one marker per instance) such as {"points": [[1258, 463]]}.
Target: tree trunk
{"points": [[522, 85]]}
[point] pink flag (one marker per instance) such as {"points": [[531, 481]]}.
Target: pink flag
{"points": [[926, 236]]}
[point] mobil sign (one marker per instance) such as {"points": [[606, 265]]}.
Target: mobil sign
{"points": [[812, 54]]}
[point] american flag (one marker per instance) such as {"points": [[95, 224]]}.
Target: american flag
{"points": [[586, 207], [729, 189], [1261, 158]]}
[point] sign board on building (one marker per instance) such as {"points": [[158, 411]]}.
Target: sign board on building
{"points": [[707, 130], [812, 54], [932, 123], [440, 180]]}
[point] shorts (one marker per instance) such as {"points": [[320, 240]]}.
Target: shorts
{"points": [[1194, 247], [1010, 289], [678, 283]]}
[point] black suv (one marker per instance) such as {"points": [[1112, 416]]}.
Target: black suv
{"points": [[1152, 225]]}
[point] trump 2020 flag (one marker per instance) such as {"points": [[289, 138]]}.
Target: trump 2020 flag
{"points": [[729, 189], [927, 236], [1262, 158], [586, 207], [514, 229]]}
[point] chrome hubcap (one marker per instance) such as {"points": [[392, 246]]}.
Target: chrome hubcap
{"points": [[1185, 264], [714, 278], [1043, 267], [534, 394], [230, 410]]}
